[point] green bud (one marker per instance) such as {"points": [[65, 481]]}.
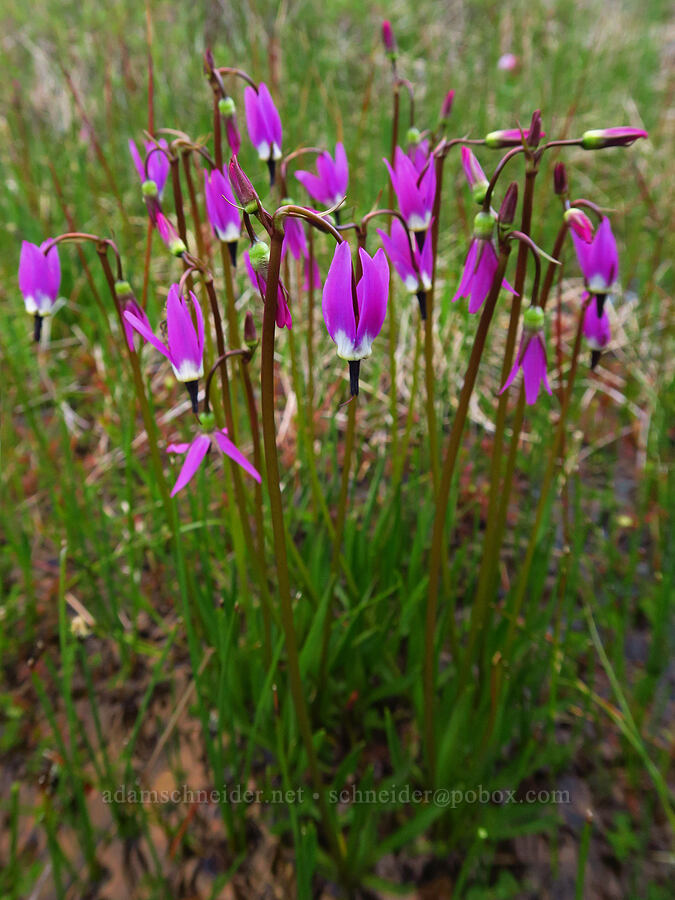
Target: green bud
{"points": [[533, 318], [483, 225], [208, 421], [479, 190], [122, 288], [226, 107], [149, 189], [413, 135], [593, 140], [177, 247], [259, 254], [287, 201], [251, 208], [482, 834]]}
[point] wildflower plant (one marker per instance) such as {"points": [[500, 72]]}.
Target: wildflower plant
{"points": [[300, 619]]}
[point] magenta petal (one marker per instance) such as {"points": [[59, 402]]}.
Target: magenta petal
{"points": [[372, 294], [195, 455], [136, 157], [467, 272], [254, 124], [397, 248], [28, 268], [425, 259], [337, 305], [294, 238], [52, 271], [233, 136], [146, 333], [315, 276], [269, 115], [512, 375], [177, 448], [312, 184], [604, 253], [185, 344], [230, 450], [341, 169], [158, 163], [534, 368], [472, 168]]}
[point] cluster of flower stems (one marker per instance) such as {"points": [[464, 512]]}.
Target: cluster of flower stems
{"points": [[233, 362]]}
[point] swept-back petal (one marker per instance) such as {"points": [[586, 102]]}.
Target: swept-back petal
{"points": [[341, 169], [200, 323], [337, 305], [269, 115], [254, 123], [147, 334], [193, 460], [234, 453], [136, 157], [604, 255], [185, 344], [397, 248], [372, 293], [467, 272], [52, 270], [313, 185], [28, 268]]}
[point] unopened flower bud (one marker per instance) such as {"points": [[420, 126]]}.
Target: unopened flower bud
{"points": [[388, 39], [259, 254], [534, 133], [226, 107], [510, 137], [483, 225], [560, 185], [250, 333], [533, 318], [611, 137], [242, 186], [149, 189], [413, 136], [507, 211], [580, 224], [446, 106]]}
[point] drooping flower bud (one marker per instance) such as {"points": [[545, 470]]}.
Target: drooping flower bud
{"points": [[389, 40], [250, 333], [169, 235], [507, 211], [560, 184], [228, 110], [580, 224], [128, 303], [446, 107], [611, 137], [474, 175], [534, 133], [241, 184], [510, 137]]}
